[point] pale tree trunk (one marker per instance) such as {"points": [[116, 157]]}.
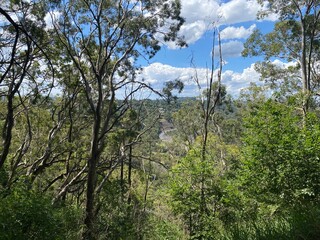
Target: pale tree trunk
{"points": [[304, 71], [212, 98]]}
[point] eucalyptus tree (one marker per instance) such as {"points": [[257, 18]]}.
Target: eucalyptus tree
{"points": [[22, 41], [196, 179], [295, 38], [102, 40], [209, 101]]}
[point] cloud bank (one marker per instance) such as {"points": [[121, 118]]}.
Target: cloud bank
{"points": [[203, 15], [237, 32], [157, 73]]}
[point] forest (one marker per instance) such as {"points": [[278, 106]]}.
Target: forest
{"points": [[79, 162]]}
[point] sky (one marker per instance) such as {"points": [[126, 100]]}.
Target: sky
{"points": [[236, 20]]}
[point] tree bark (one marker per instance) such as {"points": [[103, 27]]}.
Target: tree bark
{"points": [[89, 233]]}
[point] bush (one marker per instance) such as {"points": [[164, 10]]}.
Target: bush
{"points": [[302, 224], [25, 214]]}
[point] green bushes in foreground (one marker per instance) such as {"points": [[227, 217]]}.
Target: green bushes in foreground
{"points": [[25, 214], [303, 224]]}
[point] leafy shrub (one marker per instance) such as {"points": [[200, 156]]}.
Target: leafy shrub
{"points": [[26, 214]]}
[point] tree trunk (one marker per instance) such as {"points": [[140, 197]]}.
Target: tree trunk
{"points": [[304, 71], [89, 233], [129, 173], [7, 131], [91, 183]]}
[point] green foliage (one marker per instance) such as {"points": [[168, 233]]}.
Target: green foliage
{"points": [[187, 120], [163, 229], [169, 87], [286, 9], [199, 190], [3, 178], [294, 225], [120, 219], [271, 191], [280, 155], [25, 214], [283, 42], [293, 39]]}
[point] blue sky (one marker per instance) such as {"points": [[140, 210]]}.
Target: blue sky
{"points": [[236, 19]]}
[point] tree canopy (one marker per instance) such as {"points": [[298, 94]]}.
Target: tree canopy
{"points": [[79, 162]]}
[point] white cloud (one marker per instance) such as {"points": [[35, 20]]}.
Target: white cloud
{"points": [[230, 49], [4, 21], [283, 65], [199, 10], [157, 73], [237, 11], [236, 81], [192, 32], [50, 18], [203, 15], [237, 33], [199, 17]]}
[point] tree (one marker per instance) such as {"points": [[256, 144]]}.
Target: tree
{"points": [[22, 46], [28, 214], [209, 102], [294, 38], [103, 39], [279, 156], [192, 180], [186, 120], [196, 186]]}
